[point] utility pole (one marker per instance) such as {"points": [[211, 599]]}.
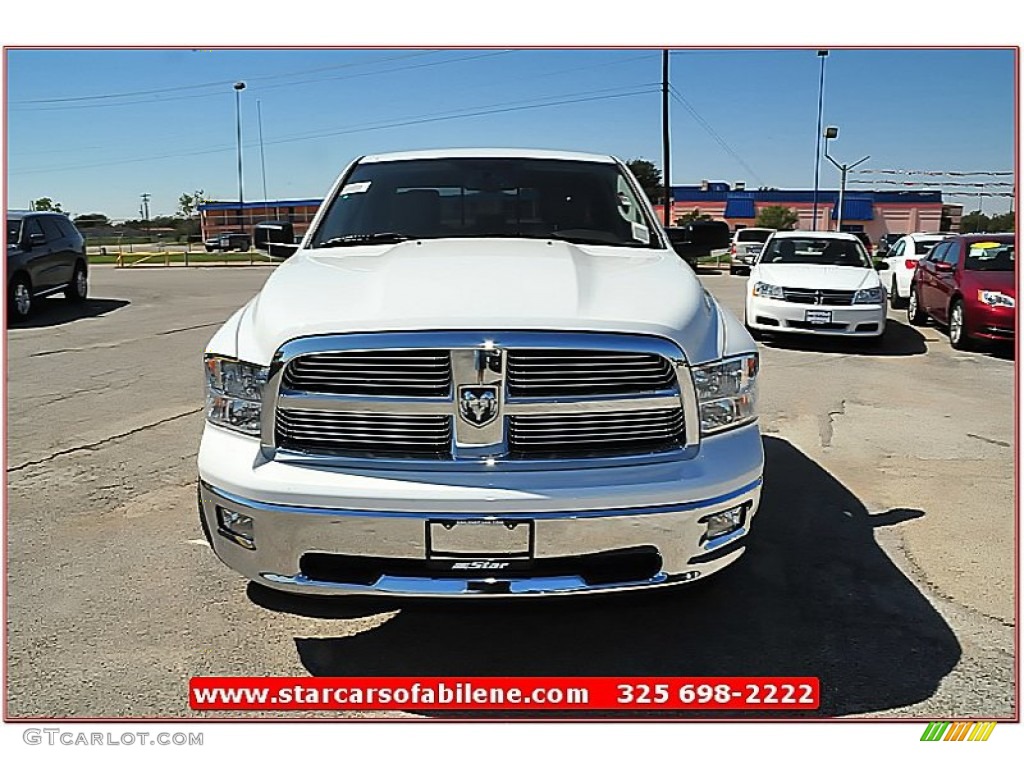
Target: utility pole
{"points": [[263, 162], [665, 159], [239, 87], [144, 209], [817, 150]]}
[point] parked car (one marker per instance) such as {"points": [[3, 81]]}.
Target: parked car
{"points": [[229, 241], [697, 239], [900, 262], [746, 245], [886, 241], [817, 283], [484, 372], [967, 283], [45, 255], [267, 232], [869, 247]]}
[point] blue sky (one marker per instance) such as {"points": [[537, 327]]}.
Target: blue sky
{"points": [[94, 129]]}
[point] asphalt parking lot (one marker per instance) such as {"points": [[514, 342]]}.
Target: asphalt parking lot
{"points": [[882, 560]]}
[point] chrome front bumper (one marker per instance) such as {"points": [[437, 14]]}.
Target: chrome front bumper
{"points": [[282, 534]]}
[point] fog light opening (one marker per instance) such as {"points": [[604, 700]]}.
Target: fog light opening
{"points": [[721, 526], [235, 526]]}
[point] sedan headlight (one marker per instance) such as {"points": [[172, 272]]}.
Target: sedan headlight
{"points": [[996, 299], [727, 393], [768, 291], [234, 391], [869, 296]]}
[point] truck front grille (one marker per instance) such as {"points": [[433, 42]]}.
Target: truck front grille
{"points": [[365, 434], [399, 372], [582, 434], [478, 398], [576, 373]]}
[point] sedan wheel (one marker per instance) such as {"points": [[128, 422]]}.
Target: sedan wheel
{"points": [[958, 338], [914, 314], [894, 297]]}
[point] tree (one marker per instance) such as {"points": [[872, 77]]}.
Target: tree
{"points": [[694, 215], [188, 204], [649, 176], [975, 221], [46, 204], [776, 217], [1003, 222]]}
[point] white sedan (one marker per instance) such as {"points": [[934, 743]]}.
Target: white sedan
{"points": [[815, 283], [901, 261]]}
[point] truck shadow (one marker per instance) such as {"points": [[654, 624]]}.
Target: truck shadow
{"points": [[57, 311], [813, 596]]}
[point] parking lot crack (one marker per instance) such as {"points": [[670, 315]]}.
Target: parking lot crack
{"points": [[989, 440], [826, 424], [104, 441]]}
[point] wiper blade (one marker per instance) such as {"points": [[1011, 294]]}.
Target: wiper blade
{"points": [[369, 239], [584, 240]]}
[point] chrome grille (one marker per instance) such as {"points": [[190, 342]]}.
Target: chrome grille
{"points": [[394, 373], [582, 373], [824, 298], [368, 434], [582, 434]]}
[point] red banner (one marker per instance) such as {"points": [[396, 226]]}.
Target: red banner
{"points": [[503, 693]]}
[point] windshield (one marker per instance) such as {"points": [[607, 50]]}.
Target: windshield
{"points": [[753, 235], [13, 232], [809, 250], [991, 257], [584, 202]]}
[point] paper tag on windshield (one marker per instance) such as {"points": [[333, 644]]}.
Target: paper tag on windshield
{"points": [[355, 187], [641, 233]]}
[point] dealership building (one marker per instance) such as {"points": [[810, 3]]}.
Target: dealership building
{"points": [[876, 213]]}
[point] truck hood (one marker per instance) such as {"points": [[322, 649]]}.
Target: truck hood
{"points": [[485, 284], [816, 276]]}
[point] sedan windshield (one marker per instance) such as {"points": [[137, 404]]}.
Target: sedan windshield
{"points": [[991, 257], [811, 250], [577, 201]]}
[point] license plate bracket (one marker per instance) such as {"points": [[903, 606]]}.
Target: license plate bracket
{"points": [[486, 538], [818, 316]]}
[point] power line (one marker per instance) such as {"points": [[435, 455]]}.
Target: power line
{"points": [[212, 84], [223, 84], [936, 173], [712, 132], [935, 183], [476, 112]]}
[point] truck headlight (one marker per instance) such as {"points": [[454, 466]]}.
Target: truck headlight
{"points": [[234, 391], [995, 299], [769, 291], [727, 393], [869, 296]]}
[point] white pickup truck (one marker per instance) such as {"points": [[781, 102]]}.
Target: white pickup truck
{"points": [[483, 372]]}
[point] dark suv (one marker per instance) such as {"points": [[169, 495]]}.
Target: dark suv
{"points": [[229, 241], [45, 254]]}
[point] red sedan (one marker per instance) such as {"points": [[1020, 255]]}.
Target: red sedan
{"points": [[968, 283]]}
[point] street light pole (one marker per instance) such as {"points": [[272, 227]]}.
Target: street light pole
{"points": [[817, 149], [239, 87], [830, 133]]}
